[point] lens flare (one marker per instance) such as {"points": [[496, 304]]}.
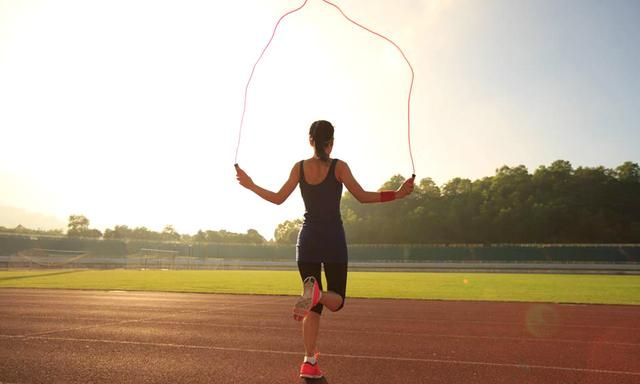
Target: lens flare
{"points": [[542, 320]]}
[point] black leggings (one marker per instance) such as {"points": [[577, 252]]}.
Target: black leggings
{"points": [[336, 274]]}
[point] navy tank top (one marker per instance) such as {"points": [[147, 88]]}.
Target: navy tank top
{"points": [[322, 238]]}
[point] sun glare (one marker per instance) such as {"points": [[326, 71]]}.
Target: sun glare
{"points": [[130, 115]]}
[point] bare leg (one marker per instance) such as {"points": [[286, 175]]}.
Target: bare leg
{"points": [[311, 322], [310, 327]]}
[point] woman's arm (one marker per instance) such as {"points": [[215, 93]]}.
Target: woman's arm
{"points": [[274, 197], [343, 174]]}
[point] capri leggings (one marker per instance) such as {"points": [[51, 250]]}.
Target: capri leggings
{"points": [[335, 273]]}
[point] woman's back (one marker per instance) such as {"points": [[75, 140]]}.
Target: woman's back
{"points": [[316, 170], [321, 191]]}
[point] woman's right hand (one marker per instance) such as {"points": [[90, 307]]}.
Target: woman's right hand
{"points": [[405, 189], [243, 178]]}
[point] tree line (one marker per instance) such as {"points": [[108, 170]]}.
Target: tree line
{"points": [[554, 204], [79, 226]]}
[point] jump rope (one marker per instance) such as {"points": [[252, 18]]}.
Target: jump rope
{"points": [[246, 88]]}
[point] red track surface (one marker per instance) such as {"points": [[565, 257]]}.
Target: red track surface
{"points": [[138, 337]]}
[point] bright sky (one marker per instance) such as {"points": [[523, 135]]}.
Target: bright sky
{"points": [[128, 111]]}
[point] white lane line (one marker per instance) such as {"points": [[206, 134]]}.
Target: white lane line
{"points": [[228, 309], [345, 331], [346, 317], [155, 319], [222, 309], [489, 364], [409, 334], [345, 356], [122, 322], [268, 300], [180, 297]]}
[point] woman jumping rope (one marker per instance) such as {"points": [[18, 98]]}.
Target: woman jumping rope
{"points": [[321, 241]]}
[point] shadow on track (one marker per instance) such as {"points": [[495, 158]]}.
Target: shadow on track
{"points": [[314, 381]]}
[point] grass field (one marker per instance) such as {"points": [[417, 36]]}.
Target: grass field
{"points": [[602, 289]]}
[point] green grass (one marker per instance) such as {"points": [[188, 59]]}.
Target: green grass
{"points": [[604, 289]]}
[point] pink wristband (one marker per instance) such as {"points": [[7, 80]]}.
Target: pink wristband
{"points": [[387, 196]]}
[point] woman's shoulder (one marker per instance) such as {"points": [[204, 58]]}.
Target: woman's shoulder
{"points": [[296, 169], [341, 164], [341, 170]]}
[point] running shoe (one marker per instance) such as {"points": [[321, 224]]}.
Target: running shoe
{"points": [[310, 297], [310, 371]]}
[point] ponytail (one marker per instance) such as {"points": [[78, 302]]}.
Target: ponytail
{"points": [[321, 132]]}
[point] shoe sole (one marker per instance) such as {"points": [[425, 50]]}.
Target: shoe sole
{"points": [[307, 376], [304, 303]]}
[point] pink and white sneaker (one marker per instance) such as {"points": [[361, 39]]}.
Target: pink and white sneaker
{"points": [[310, 371], [311, 295]]}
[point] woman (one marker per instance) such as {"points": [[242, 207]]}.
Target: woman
{"points": [[321, 240]]}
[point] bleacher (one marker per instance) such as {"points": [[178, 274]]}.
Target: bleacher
{"points": [[99, 253]]}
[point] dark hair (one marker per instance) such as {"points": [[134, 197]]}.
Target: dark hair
{"points": [[321, 132]]}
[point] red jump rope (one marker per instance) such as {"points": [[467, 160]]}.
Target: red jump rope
{"points": [[246, 88]]}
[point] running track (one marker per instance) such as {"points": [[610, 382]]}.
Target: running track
{"points": [[61, 336]]}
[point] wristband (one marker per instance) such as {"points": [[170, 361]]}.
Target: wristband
{"points": [[387, 196]]}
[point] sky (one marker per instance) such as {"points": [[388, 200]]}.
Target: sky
{"points": [[128, 112]]}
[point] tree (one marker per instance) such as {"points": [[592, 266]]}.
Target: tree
{"points": [[456, 187], [427, 188], [118, 232], [255, 237], [170, 234], [287, 232], [79, 227], [20, 229], [78, 224], [251, 237], [393, 184], [628, 172], [556, 203]]}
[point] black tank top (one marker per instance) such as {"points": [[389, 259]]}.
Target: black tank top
{"points": [[322, 201]]}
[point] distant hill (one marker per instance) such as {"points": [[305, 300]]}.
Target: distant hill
{"points": [[11, 217]]}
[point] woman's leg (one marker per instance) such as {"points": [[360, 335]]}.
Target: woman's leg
{"points": [[331, 300], [310, 328], [336, 274], [311, 322]]}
